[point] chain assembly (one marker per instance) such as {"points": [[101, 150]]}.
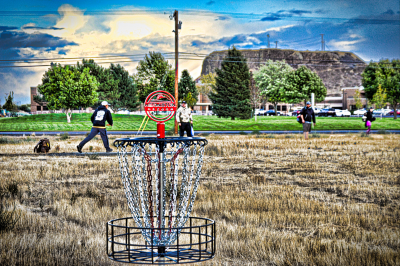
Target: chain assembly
{"points": [[147, 169]]}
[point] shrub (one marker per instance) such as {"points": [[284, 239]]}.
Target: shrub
{"points": [[255, 132], [94, 156], [364, 135], [8, 219], [242, 133], [64, 136], [383, 131], [4, 140]]}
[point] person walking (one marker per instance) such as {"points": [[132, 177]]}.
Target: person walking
{"points": [[99, 118], [307, 114], [369, 120], [185, 120]]}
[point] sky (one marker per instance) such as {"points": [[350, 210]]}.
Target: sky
{"points": [[34, 33]]}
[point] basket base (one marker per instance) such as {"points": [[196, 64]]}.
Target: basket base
{"points": [[195, 243]]}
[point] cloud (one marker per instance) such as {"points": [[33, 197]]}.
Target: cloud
{"points": [[282, 14], [5, 28], [388, 17], [209, 3], [277, 29], [40, 28], [36, 40]]}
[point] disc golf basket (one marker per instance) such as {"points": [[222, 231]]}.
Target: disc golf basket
{"points": [[160, 177]]}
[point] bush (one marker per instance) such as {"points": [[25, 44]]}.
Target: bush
{"points": [[382, 131], [255, 132], [4, 140], [242, 133], [64, 136], [8, 219], [364, 135]]}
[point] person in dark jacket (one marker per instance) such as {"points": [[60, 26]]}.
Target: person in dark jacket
{"points": [[99, 118], [306, 114], [369, 120]]}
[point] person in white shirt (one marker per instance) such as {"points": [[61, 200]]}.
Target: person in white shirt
{"points": [[184, 119]]}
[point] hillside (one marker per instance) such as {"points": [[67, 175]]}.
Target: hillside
{"points": [[336, 69]]}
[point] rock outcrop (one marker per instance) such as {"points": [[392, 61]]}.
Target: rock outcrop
{"points": [[336, 69]]}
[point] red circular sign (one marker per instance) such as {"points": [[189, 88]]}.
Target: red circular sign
{"points": [[160, 102]]}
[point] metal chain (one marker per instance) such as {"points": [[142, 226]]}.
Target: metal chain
{"points": [[172, 199]]}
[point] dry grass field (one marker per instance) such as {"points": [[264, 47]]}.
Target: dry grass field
{"points": [[277, 200]]}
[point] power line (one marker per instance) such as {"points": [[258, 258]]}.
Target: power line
{"points": [[200, 13]]}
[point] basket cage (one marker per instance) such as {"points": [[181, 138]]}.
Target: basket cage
{"points": [[166, 205]]}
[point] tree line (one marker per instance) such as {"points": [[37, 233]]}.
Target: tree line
{"points": [[236, 92], [88, 84]]}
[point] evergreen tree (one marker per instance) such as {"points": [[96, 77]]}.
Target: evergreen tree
{"points": [[9, 104], [232, 93], [126, 87], [108, 87], [185, 86]]}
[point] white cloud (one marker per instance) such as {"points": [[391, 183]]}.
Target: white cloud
{"points": [[347, 45], [277, 29]]}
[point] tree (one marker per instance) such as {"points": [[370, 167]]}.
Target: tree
{"points": [[126, 88], [232, 94], [255, 95], [25, 107], [154, 73], [9, 104], [306, 82], [208, 82], [386, 73], [379, 98], [187, 86], [190, 101], [65, 87], [357, 99], [272, 79], [108, 86], [393, 86]]}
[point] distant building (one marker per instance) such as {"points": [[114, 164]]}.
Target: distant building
{"points": [[348, 100]]}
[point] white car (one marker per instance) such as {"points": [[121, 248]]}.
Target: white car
{"points": [[316, 110], [342, 113], [360, 112], [259, 112], [382, 111]]}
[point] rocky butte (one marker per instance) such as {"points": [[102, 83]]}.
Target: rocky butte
{"points": [[336, 69]]}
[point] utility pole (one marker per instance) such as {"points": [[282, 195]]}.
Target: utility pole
{"points": [[268, 40], [276, 44], [176, 64], [322, 43]]}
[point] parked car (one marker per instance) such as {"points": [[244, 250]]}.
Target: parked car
{"points": [[316, 110], [295, 112], [327, 112], [382, 111], [342, 113], [259, 112], [272, 112], [360, 112], [392, 112]]}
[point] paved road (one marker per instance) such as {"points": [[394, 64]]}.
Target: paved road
{"points": [[147, 133]]}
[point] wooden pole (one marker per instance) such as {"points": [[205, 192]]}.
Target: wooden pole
{"points": [[176, 65]]}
